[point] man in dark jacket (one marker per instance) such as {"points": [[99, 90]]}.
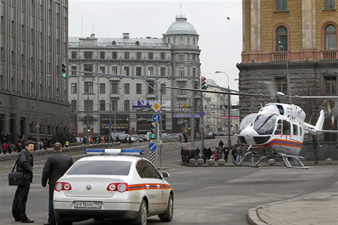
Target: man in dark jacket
{"points": [[24, 165], [55, 166]]}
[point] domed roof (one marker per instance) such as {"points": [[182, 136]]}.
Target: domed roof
{"points": [[181, 26]]}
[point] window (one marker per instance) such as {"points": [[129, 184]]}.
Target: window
{"points": [[88, 105], [73, 72], [330, 85], [126, 55], [286, 128], [282, 85], [89, 68], [127, 88], [114, 87], [150, 55], [162, 55], [138, 89], [330, 37], [163, 89], [88, 87], [295, 129], [146, 170], [74, 105], [102, 88], [151, 87], [102, 105], [102, 69], [329, 4], [126, 105], [126, 70], [73, 54], [181, 71], [73, 88], [88, 55], [102, 55], [163, 72], [114, 104], [281, 39], [193, 72], [281, 5], [150, 71], [181, 84], [138, 71], [114, 70], [101, 167], [279, 127], [114, 55], [138, 55]]}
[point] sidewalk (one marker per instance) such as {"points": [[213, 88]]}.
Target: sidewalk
{"points": [[318, 208]]}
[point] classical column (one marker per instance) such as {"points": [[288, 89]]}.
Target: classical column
{"points": [[255, 25], [308, 24]]}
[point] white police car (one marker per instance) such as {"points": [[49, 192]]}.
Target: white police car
{"points": [[113, 185]]}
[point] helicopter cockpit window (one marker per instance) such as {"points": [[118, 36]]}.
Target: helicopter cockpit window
{"points": [[246, 121], [265, 123], [295, 129], [281, 109], [286, 128]]}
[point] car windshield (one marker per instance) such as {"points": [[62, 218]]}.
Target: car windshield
{"points": [[246, 121], [265, 123], [120, 168]]}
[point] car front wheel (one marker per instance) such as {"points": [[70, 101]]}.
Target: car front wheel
{"points": [[169, 214]]}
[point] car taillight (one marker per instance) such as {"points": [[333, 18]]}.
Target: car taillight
{"points": [[63, 186], [121, 187]]}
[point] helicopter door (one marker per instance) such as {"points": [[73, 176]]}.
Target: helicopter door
{"points": [[295, 129], [286, 128], [279, 127]]}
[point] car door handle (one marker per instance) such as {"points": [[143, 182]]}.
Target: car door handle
{"points": [[147, 186], [158, 186]]}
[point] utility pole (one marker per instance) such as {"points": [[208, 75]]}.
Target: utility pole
{"points": [[88, 119], [202, 126], [110, 123], [37, 126], [192, 121], [160, 130]]}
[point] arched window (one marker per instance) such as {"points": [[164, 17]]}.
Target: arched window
{"points": [[330, 37], [281, 39]]}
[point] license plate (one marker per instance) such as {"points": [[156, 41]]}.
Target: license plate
{"points": [[88, 205]]}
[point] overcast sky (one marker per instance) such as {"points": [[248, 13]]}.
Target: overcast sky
{"points": [[220, 39]]}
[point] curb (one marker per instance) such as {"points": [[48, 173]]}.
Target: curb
{"points": [[253, 218]]}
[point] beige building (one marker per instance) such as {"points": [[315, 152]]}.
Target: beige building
{"points": [[33, 42], [292, 44], [99, 100]]}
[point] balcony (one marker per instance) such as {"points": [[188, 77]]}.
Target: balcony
{"points": [[280, 56], [329, 55]]}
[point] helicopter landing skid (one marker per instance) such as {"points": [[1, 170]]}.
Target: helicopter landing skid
{"points": [[297, 158]]}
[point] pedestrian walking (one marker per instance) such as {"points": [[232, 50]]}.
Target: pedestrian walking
{"points": [[130, 140], [56, 165], [220, 144], [226, 154], [25, 166], [180, 138], [205, 154]]}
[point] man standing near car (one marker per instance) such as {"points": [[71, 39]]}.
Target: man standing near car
{"points": [[25, 166], [55, 166]]}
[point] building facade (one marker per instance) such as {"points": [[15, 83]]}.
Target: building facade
{"points": [[290, 46], [113, 81], [33, 42]]}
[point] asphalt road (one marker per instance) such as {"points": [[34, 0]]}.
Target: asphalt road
{"points": [[203, 195]]}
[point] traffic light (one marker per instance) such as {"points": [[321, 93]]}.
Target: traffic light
{"points": [[64, 70], [204, 83], [152, 131]]}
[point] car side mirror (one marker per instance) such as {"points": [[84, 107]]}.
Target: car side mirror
{"points": [[165, 174]]}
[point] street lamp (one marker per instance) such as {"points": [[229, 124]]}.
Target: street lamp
{"points": [[287, 72], [229, 105]]}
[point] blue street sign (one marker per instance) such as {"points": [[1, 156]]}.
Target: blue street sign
{"points": [[152, 146], [156, 117], [109, 124]]}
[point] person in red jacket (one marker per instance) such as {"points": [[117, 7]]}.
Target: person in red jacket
{"points": [[4, 147]]}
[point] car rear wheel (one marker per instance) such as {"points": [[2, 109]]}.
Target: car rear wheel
{"points": [[142, 217], [168, 215]]}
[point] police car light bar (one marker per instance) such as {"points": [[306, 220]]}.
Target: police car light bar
{"points": [[101, 151]]}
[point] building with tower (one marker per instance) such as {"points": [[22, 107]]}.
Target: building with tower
{"points": [[101, 97], [33, 42], [290, 46]]}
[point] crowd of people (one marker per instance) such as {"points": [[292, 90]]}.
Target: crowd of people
{"points": [[219, 152]]}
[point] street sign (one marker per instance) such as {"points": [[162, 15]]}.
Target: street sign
{"points": [[156, 106], [202, 114], [156, 117], [1, 103], [109, 125], [152, 146]]}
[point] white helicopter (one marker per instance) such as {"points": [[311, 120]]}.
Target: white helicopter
{"points": [[277, 130]]}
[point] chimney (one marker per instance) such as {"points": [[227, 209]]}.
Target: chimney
{"points": [[125, 35]]}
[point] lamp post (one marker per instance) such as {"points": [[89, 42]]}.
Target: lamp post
{"points": [[229, 113], [287, 71]]}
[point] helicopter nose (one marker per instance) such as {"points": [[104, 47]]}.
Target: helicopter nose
{"points": [[248, 133]]}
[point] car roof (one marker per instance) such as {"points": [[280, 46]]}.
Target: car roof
{"points": [[112, 158]]}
